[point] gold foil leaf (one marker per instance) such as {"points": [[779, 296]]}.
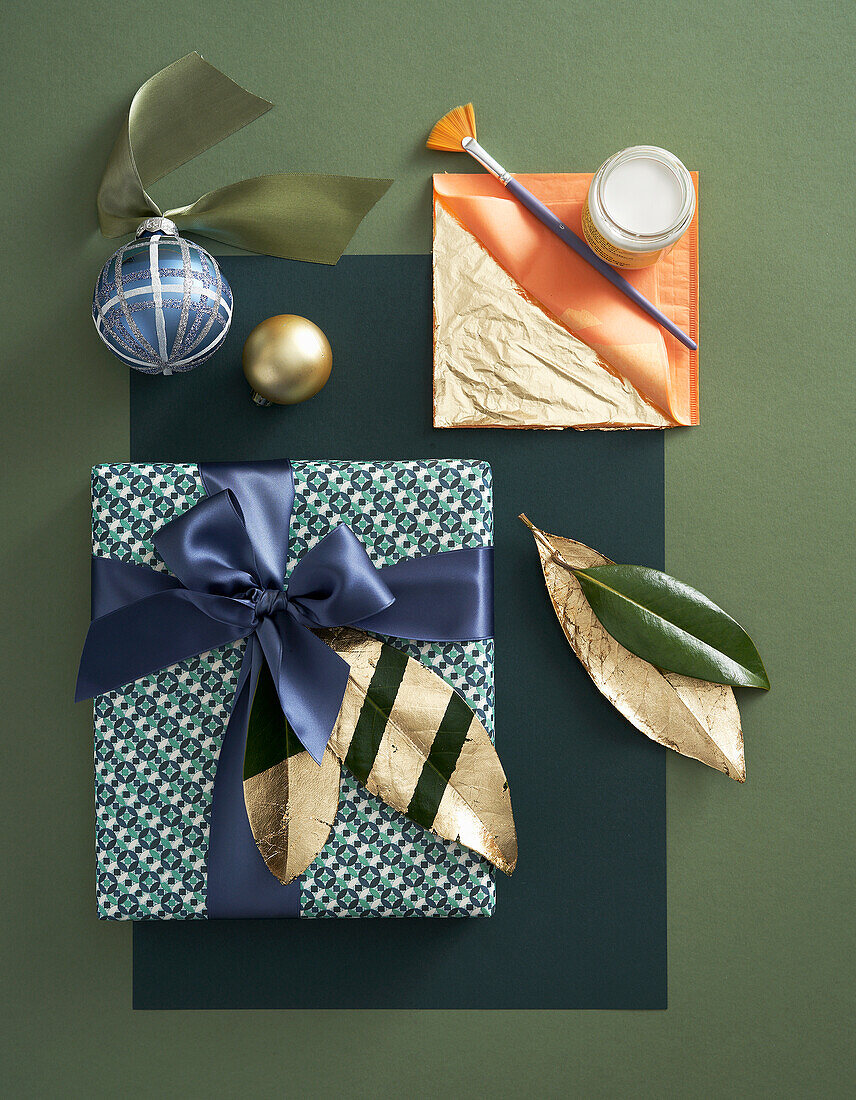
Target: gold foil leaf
{"points": [[500, 360], [291, 808], [693, 717], [413, 741], [291, 801]]}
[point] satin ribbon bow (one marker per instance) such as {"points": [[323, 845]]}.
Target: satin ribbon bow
{"points": [[228, 556]]}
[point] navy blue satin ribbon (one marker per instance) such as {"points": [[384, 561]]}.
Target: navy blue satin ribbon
{"points": [[228, 554]]}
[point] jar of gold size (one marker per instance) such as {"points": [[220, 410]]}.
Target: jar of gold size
{"points": [[639, 203]]}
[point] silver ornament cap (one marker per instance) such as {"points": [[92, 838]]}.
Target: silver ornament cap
{"points": [[157, 225]]}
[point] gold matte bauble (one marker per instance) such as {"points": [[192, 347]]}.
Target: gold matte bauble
{"points": [[287, 359]]}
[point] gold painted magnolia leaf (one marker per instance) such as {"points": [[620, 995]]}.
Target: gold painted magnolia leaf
{"points": [[291, 801], [693, 717], [414, 742]]}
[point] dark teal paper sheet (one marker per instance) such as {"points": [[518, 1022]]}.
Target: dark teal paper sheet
{"points": [[582, 924]]}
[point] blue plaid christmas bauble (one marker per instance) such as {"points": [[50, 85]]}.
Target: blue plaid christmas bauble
{"points": [[161, 303]]}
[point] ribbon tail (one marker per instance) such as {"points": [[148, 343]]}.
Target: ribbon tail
{"points": [[117, 583], [310, 679], [154, 633], [122, 201], [239, 882], [296, 216]]}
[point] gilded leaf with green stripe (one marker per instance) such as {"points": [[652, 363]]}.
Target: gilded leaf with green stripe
{"points": [[413, 741]]}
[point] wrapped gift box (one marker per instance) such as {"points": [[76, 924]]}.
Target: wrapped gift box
{"points": [[157, 740]]}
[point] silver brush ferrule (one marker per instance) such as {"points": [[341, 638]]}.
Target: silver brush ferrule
{"points": [[486, 160]]}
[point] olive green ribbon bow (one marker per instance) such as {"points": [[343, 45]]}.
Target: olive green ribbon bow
{"points": [[184, 110]]}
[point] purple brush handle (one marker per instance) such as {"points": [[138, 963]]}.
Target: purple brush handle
{"points": [[579, 246]]}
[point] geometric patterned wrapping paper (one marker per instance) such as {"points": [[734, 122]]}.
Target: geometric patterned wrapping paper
{"points": [[157, 740]]}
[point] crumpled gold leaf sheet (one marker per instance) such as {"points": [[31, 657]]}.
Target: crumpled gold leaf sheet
{"points": [[500, 360], [291, 808], [693, 717], [475, 807]]}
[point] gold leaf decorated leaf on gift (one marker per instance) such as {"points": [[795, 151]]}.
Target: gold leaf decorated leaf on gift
{"points": [[691, 716], [413, 741], [291, 801]]}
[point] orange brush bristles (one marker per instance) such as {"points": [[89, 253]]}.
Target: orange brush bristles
{"points": [[452, 128]]}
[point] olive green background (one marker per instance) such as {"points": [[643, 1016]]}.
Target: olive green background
{"points": [[759, 98]]}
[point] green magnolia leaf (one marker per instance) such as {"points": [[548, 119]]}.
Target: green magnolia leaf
{"points": [[671, 625]]}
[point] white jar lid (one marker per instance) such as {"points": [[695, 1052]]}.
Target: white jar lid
{"points": [[642, 199]]}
